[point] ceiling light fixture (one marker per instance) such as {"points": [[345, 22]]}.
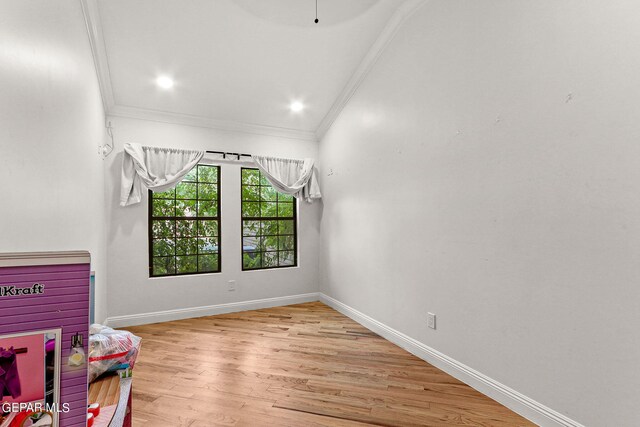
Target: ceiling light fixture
{"points": [[296, 106], [316, 21], [164, 82]]}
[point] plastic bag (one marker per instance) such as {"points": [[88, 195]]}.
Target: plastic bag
{"points": [[110, 349]]}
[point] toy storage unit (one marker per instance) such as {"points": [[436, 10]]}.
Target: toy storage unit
{"points": [[44, 332]]}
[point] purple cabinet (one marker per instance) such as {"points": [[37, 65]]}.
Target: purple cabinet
{"points": [[44, 326]]}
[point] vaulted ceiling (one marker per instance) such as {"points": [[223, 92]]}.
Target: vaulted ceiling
{"points": [[238, 64]]}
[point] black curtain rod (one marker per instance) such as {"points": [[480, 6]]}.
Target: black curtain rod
{"points": [[225, 154]]}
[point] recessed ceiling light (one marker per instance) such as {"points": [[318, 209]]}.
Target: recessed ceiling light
{"points": [[296, 106], [164, 82]]}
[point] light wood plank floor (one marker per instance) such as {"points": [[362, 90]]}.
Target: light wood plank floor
{"points": [[300, 365]]}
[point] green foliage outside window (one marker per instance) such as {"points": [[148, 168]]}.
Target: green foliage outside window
{"points": [[268, 224], [184, 232]]}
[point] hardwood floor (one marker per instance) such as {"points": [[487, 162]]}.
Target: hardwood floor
{"points": [[300, 365]]}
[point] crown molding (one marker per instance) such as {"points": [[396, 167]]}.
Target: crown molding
{"points": [[404, 12], [99, 51], [206, 122]]}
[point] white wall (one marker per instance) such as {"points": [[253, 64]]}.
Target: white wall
{"points": [[488, 171], [132, 292], [51, 124]]}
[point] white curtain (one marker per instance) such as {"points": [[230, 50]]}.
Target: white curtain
{"points": [[290, 176], [158, 169]]}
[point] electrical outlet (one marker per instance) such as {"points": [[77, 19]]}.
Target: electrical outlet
{"points": [[431, 320], [232, 286]]}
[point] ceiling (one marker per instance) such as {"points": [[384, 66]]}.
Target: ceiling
{"points": [[238, 64]]}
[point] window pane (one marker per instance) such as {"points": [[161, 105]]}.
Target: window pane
{"points": [[251, 209], [251, 260], [268, 194], [186, 264], [207, 174], [251, 193], [208, 263], [285, 243], [250, 244], [285, 227], [285, 258], [186, 228], [269, 209], [250, 176], [250, 228], [207, 191], [207, 245], [163, 228], [269, 228], [164, 207], [268, 243], [169, 194], [285, 209], [186, 246], [285, 197], [208, 208], [270, 259], [163, 247], [164, 265], [186, 190], [207, 228], [191, 176], [186, 208]]}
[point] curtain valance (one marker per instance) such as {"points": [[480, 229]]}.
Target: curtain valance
{"points": [[290, 176], [158, 169]]}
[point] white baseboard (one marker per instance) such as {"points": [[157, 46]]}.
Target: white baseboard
{"points": [[517, 402], [523, 405], [209, 310]]}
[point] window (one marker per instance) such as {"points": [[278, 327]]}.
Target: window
{"points": [[269, 237], [184, 225]]}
